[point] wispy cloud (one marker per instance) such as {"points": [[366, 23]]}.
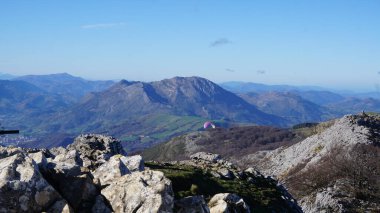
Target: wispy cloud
{"points": [[102, 25], [230, 70], [261, 72], [220, 42]]}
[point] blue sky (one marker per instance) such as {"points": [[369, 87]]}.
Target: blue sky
{"points": [[333, 43]]}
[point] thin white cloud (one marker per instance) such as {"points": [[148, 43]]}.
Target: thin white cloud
{"points": [[230, 70], [261, 72], [102, 25], [220, 42]]}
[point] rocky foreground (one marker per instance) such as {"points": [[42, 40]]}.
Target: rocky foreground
{"points": [[94, 175]]}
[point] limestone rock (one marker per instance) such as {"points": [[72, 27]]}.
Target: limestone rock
{"points": [[39, 158], [345, 132], [58, 150], [110, 170], [95, 149], [206, 157], [193, 204], [134, 163], [147, 191], [22, 187], [225, 173], [227, 203], [9, 151], [118, 166], [69, 157]]}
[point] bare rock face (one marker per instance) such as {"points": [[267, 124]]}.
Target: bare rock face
{"points": [[210, 157], [39, 158], [134, 163], [192, 204], [9, 151], [95, 149], [227, 203], [344, 133], [23, 189], [147, 191], [116, 167]]}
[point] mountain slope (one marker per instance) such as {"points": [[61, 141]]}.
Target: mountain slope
{"points": [[233, 143], [336, 169], [198, 96]]}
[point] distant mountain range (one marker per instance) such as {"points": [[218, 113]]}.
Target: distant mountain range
{"points": [[290, 106], [130, 109], [70, 87], [244, 87], [144, 113], [6, 76], [22, 97]]}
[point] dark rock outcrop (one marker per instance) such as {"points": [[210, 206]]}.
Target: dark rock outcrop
{"points": [[192, 204]]}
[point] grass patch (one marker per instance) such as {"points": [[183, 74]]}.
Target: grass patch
{"points": [[262, 196]]}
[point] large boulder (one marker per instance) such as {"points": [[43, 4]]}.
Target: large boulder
{"points": [[118, 166], [23, 188], [95, 149], [227, 203], [39, 158], [147, 191]]}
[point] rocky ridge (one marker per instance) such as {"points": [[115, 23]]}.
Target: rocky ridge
{"points": [[335, 170], [94, 174]]}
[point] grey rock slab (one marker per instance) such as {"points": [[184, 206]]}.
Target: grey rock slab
{"points": [[147, 191]]}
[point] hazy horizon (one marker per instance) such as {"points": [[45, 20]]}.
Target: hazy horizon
{"points": [[331, 44]]}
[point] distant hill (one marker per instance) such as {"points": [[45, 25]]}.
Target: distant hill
{"points": [[355, 105], [232, 143], [320, 97], [289, 106], [68, 86]]}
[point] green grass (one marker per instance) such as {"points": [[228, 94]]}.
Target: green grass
{"points": [[263, 196]]}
